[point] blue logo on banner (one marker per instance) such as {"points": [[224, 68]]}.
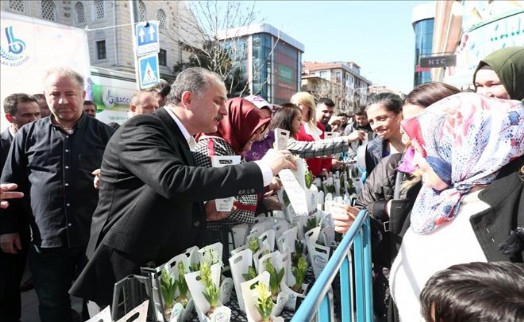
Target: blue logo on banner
{"points": [[14, 55]]}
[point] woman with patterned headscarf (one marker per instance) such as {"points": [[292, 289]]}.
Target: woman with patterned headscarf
{"points": [[470, 203], [243, 125]]}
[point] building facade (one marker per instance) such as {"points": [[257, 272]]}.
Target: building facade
{"points": [[109, 28], [423, 19], [269, 59], [472, 30], [340, 81]]}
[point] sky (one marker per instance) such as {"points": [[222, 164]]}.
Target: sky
{"points": [[377, 35]]}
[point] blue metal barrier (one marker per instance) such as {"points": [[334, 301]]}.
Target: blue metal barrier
{"points": [[318, 300]]}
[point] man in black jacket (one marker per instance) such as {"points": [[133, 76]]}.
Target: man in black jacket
{"points": [[19, 109], [51, 160], [151, 193]]}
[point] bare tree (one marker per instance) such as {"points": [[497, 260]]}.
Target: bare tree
{"points": [[335, 91], [202, 27]]}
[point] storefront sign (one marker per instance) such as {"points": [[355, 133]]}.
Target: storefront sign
{"points": [[438, 61]]}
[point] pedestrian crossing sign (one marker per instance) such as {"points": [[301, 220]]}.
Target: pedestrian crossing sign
{"points": [[149, 72]]}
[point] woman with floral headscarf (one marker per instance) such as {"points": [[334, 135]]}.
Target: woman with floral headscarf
{"points": [[462, 143]]}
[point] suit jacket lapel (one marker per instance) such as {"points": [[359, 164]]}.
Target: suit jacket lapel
{"points": [[176, 134]]}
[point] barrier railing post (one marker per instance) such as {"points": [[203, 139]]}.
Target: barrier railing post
{"points": [[358, 255], [317, 301], [345, 290], [367, 274]]}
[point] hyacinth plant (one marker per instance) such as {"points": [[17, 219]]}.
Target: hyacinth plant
{"points": [[182, 285], [168, 288], [253, 244], [210, 256], [211, 291], [311, 223], [298, 266], [330, 188], [299, 270], [264, 302], [275, 277], [195, 267], [251, 273]]}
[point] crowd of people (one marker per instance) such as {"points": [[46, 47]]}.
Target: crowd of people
{"points": [[86, 204]]}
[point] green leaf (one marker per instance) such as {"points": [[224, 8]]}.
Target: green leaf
{"points": [[299, 271], [251, 273], [274, 277], [167, 287], [311, 223], [181, 281], [309, 179]]}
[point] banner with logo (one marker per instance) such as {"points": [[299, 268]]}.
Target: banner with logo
{"points": [[30, 46], [501, 31], [112, 92]]}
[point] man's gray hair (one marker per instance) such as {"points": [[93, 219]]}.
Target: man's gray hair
{"points": [[64, 72], [196, 80]]}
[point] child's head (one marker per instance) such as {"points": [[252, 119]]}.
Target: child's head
{"points": [[475, 292]]}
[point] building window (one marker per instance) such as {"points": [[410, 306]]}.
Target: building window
{"points": [[162, 57], [48, 10], [16, 5], [142, 11], [161, 17], [338, 77], [99, 9], [101, 49], [80, 13]]}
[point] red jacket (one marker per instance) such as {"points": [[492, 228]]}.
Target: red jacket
{"points": [[315, 164]]}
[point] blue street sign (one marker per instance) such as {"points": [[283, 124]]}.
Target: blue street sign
{"points": [[149, 72], [147, 39]]}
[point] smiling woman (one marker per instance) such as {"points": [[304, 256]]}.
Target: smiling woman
{"points": [[384, 113]]}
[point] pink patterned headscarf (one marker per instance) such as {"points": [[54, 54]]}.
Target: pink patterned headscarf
{"points": [[466, 138]]}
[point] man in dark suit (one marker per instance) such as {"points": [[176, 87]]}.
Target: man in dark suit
{"points": [[151, 194], [19, 109]]}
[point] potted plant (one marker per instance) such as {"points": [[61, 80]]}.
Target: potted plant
{"points": [[299, 266], [311, 223], [210, 289], [275, 277], [251, 273], [204, 288], [259, 300], [253, 244], [299, 270], [264, 302], [182, 285], [168, 288]]}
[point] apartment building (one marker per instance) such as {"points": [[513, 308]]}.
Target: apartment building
{"points": [[340, 81]]}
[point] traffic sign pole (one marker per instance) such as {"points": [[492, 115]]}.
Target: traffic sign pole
{"points": [[147, 46], [149, 71]]}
